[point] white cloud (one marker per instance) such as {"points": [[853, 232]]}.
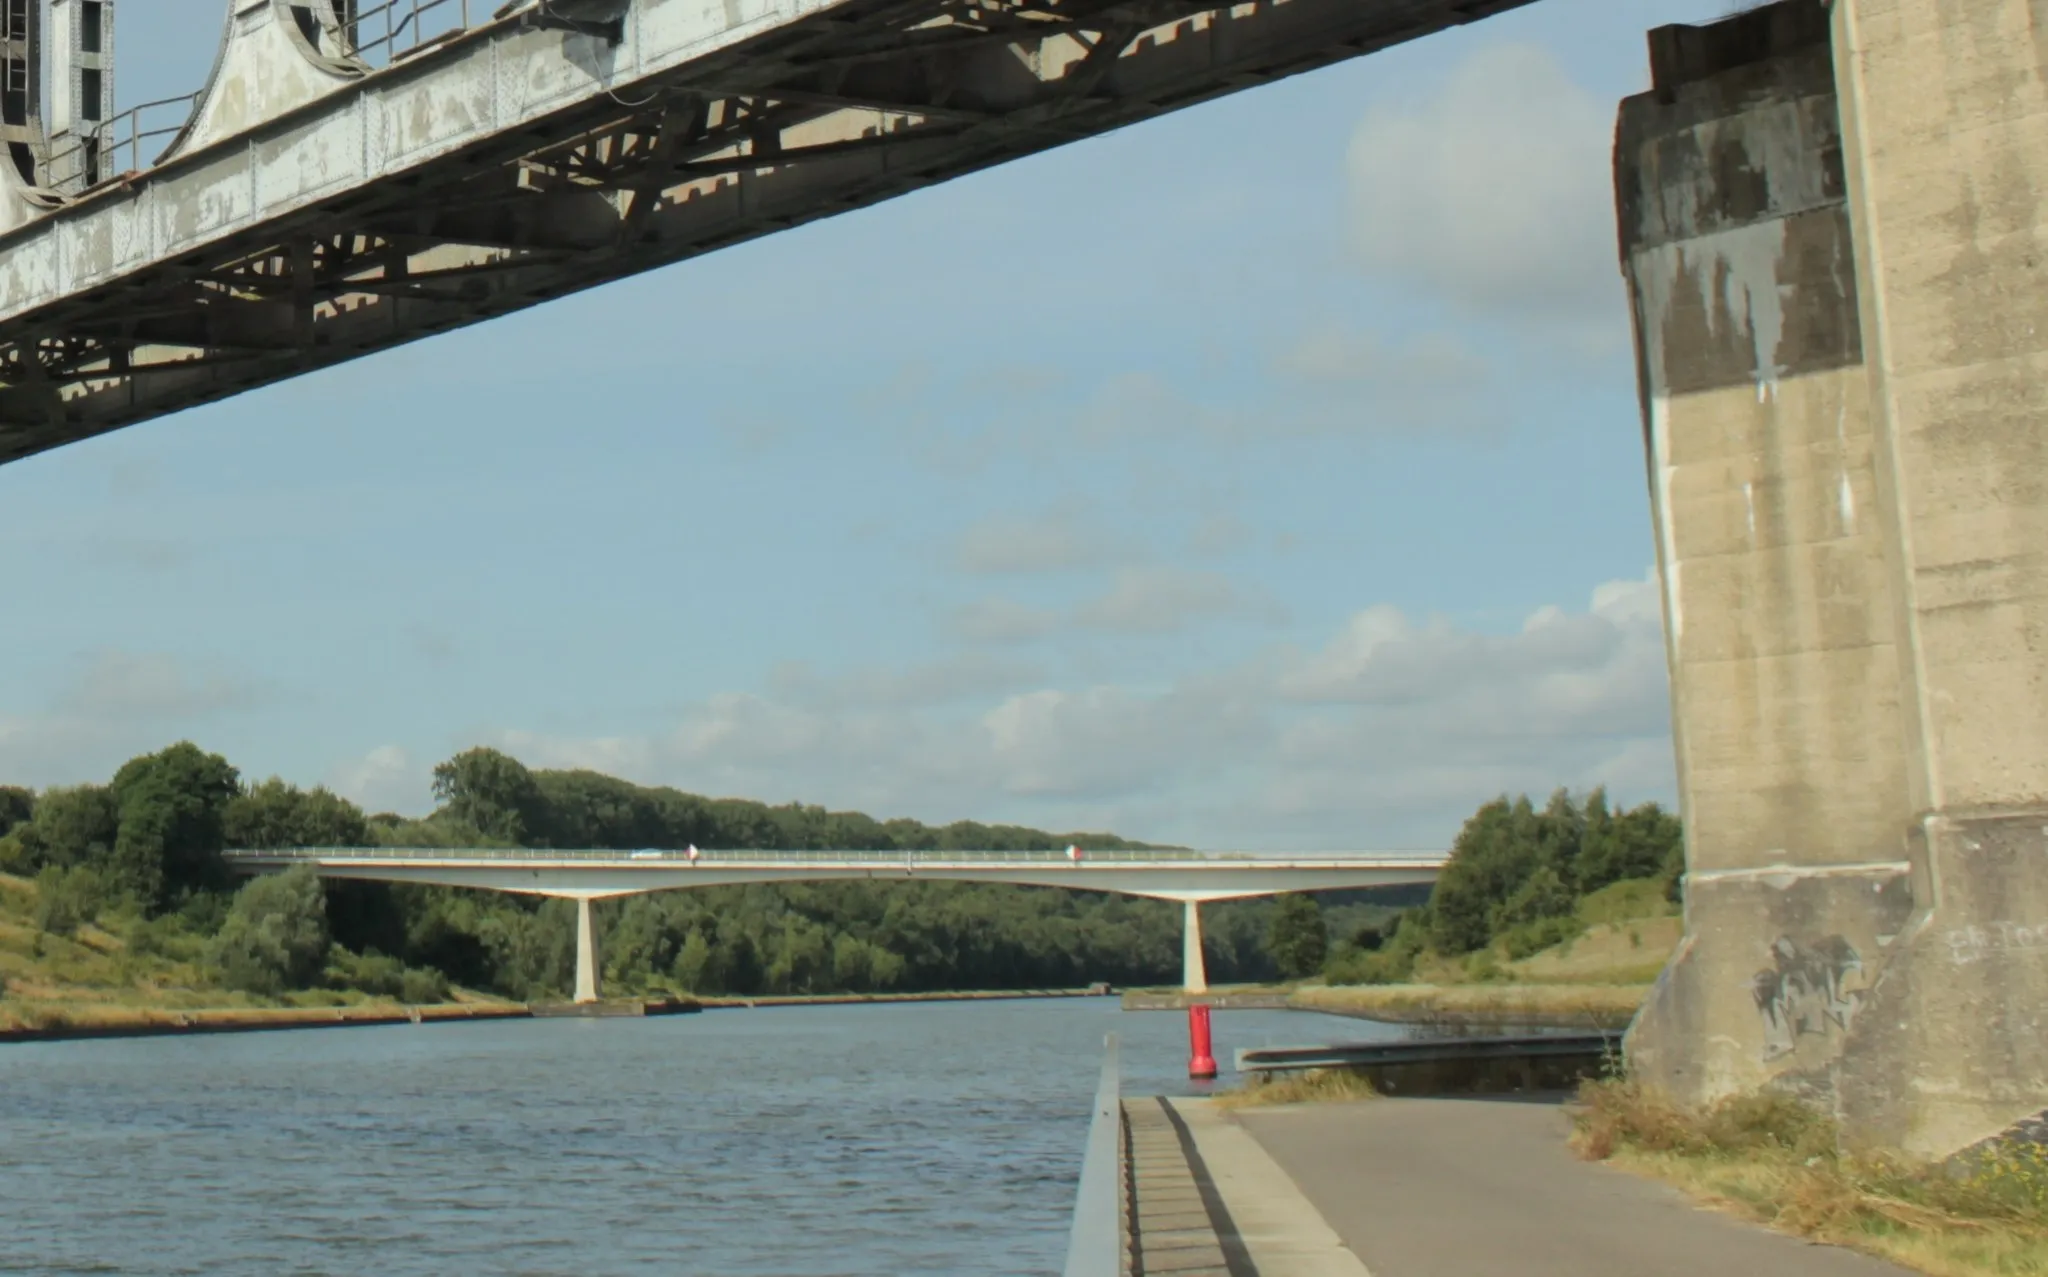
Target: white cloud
{"points": [[1386, 735], [1159, 600], [119, 686], [149, 555], [1220, 532], [1602, 665], [115, 705], [1055, 541], [385, 779], [999, 620], [950, 679], [1430, 362], [1142, 404], [1495, 190], [1148, 600]]}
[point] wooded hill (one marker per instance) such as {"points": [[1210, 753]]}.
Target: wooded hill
{"points": [[140, 859]]}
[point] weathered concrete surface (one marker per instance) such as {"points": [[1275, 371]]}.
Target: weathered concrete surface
{"points": [[1207, 1201], [1454, 1188], [1844, 354], [1171, 1230], [1947, 163], [1777, 599], [265, 67], [588, 969]]}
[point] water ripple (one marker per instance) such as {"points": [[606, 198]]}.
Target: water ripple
{"points": [[842, 1141]]}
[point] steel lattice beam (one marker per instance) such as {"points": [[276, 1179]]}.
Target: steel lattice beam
{"points": [[850, 106]]}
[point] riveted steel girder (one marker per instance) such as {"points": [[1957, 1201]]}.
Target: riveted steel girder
{"points": [[170, 288]]}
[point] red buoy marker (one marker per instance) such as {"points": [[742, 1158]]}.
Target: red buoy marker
{"points": [[1201, 1063]]}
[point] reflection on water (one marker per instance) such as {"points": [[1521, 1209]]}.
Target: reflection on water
{"points": [[933, 1138]]}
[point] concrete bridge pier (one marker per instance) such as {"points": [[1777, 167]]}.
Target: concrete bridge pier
{"points": [[588, 971], [1194, 972], [1835, 239]]}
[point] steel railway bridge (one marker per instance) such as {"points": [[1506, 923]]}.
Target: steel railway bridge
{"points": [[355, 176]]}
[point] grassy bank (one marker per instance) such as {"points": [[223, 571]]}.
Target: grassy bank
{"points": [[127, 974], [132, 1021], [1588, 1005], [1594, 977], [1775, 1162]]}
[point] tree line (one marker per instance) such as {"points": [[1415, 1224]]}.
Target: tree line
{"points": [[1515, 882], [143, 853]]}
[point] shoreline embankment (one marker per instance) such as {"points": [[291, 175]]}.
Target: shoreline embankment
{"points": [[148, 1022], [1450, 1006], [1478, 1006], [143, 1022]]}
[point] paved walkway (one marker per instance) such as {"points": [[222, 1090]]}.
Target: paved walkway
{"points": [[1473, 1187], [1208, 1202]]}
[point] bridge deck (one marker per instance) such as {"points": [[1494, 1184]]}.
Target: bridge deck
{"points": [[512, 164], [584, 876], [595, 874]]}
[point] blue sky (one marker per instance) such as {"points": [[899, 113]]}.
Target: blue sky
{"points": [[1268, 475]]}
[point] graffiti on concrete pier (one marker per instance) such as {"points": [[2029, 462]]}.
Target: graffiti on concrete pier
{"points": [[1804, 991]]}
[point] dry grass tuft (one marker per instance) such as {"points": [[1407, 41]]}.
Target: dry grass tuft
{"points": [[1310, 1086], [1776, 1161]]}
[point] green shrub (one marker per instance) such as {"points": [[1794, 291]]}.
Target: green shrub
{"points": [[14, 858], [1484, 966], [67, 899], [275, 936], [1530, 938], [1625, 901], [163, 937], [420, 987], [202, 913], [1352, 965], [1380, 956], [382, 976], [1296, 937], [372, 973]]}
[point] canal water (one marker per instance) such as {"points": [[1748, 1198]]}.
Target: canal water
{"points": [[791, 1142]]}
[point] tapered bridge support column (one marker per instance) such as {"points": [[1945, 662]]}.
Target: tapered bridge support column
{"points": [[586, 953], [1194, 976], [1824, 209]]}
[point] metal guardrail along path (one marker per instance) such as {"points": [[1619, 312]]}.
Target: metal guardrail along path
{"points": [[1454, 1066], [1096, 1245], [1272, 1059]]}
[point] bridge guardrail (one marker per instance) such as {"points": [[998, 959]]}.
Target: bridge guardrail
{"points": [[389, 32], [129, 142], [881, 859], [1096, 1243]]}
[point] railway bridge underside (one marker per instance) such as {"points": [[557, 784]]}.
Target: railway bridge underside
{"points": [[315, 205]]}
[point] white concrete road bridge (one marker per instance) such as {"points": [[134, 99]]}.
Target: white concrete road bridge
{"points": [[584, 876], [357, 175]]}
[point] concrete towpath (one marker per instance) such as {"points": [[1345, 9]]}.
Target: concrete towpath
{"points": [[1422, 1188]]}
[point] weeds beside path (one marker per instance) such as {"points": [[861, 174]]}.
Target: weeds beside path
{"points": [[1311, 1086], [1774, 1161]]}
